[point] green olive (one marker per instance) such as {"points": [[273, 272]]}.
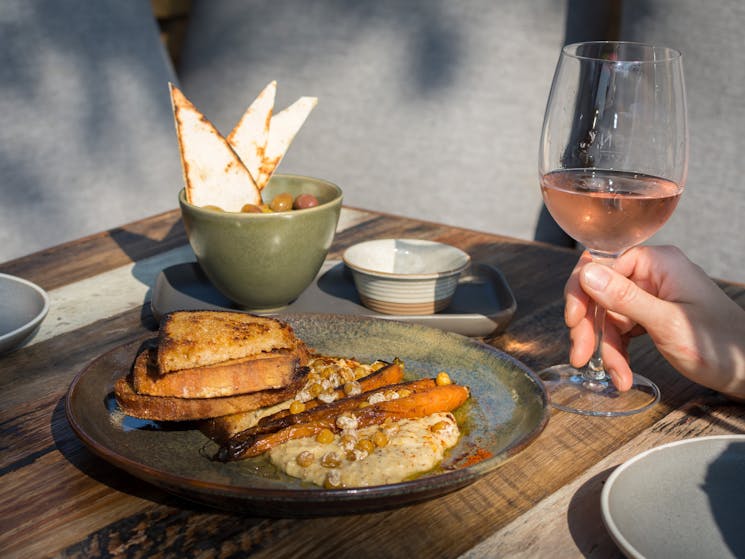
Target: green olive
{"points": [[282, 202]]}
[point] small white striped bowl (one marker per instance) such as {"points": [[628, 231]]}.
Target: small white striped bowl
{"points": [[405, 276]]}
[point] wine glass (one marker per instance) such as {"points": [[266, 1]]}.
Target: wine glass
{"points": [[613, 163]]}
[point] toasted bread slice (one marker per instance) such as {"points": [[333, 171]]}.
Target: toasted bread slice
{"points": [[168, 408], [236, 376], [190, 339], [250, 135], [214, 175]]}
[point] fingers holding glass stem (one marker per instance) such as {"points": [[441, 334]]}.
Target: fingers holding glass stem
{"points": [[608, 359], [598, 380]]}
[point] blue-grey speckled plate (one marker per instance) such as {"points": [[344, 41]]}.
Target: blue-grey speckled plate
{"points": [[507, 410]]}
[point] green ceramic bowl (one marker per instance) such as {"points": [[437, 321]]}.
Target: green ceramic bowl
{"points": [[263, 261]]}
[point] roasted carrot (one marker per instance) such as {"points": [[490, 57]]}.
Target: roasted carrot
{"points": [[261, 444], [424, 400], [418, 404], [322, 411]]}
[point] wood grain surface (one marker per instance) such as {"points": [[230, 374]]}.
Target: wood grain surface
{"points": [[59, 500]]}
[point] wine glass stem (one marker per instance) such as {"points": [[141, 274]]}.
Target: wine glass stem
{"points": [[595, 370]]}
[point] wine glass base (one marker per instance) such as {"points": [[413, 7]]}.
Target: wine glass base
{"points": [[569, 391]]}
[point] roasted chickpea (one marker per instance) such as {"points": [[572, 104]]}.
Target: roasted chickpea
{"points": [[305, 458], [325, 436], [380, 439], [211, 207], [365, 445], [352, 388], [443, 379], [440, 426], [281, 202], [348, 441], [304, 201], [347, 374], [330, 460], [333, 480], [315, 389], [297, 407]]}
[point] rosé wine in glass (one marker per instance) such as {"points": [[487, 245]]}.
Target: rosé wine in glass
{"points": [[609, 211]]}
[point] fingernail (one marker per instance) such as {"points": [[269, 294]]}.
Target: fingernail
{"points": [[596, 276]]}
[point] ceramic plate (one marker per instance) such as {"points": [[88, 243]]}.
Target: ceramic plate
{"points": [[507, 410], [683, 499], [23, 306]]}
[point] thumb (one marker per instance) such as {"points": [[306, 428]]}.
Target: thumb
{"points": [[617, 293]]}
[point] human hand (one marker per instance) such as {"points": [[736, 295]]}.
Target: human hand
{"points": [[657, 290]]}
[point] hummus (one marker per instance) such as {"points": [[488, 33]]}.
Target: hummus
{"points": [[412, 446]]}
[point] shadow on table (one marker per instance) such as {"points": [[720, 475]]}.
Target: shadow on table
{"points": [[585, 521], [161, 530], [139, 247]]}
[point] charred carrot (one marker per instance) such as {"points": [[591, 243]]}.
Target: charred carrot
{"points": [[323, 411], [425, 399]]}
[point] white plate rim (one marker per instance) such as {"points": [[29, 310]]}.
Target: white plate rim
{"points": [[30, 325], [626, 546]]}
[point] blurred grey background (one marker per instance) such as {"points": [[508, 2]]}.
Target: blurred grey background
{"points": [[427, 108]]}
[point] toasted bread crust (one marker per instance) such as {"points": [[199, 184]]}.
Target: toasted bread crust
{"points": [[237, 376], [167, 408], [194, 339]]}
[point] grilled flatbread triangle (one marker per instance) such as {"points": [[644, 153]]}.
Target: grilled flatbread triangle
{"points": [[213, 174], [248, 138], [282, 130]]}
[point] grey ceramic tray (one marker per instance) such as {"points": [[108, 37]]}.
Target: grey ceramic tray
{"points": [[483, 303]]}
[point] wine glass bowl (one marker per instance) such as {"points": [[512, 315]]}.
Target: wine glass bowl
{"points": [[613, 163]]}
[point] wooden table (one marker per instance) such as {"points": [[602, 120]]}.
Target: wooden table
{"points": [[58, 499]]}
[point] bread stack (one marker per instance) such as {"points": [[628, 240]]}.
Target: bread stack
{"points": [[207, 364]]}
